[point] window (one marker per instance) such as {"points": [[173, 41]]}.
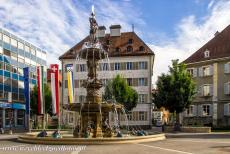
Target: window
{"points": [[9, 116], [1, 65], [129, 49], [190, 71], [15, 96], [82, 67], [129, 116], [129, 65], [207, 90], [227, 88], [21, 60], [1, 50], [129, 81], [142, 65], [20, 46], [141, 98], [206, 110], [142, 116], [206, 70], [14, 56], [190, 110], [20, 71], [14, 69], [228, 108], [1, 80], [81, 98], [14, 42], [141, 48], [33, 51], [21, 97], [6, 52], [6, 38], [117, 66], [20, 84], [20, 117], [141, 82], [206, 53], [71, 117], [130, 41], [7, 67], [227, 68], [105, 66], [7, 81], [27, 48]]}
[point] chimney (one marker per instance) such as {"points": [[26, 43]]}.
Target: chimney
{"points": [[101, 31], [115, 30], [217, 32]]}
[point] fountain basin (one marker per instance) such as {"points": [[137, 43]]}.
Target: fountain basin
{"points": [[93, 53], [69, 140]]}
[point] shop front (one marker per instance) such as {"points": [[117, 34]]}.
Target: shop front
{"points": [[12, 115]]}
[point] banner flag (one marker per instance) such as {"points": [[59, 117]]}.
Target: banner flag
{"points": [[55, 87], [27, 88], [69, 68], [40, 81]]}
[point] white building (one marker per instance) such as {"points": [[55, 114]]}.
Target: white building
{"points": [[128, 56]]}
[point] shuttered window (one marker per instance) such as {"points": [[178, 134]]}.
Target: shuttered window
{"points": [[206, 110], [227, 68], [227, 88], [206, 71], [227, 109]]}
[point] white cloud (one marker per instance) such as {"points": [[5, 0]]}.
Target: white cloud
{"points": [[58, 25], [191, 35]]}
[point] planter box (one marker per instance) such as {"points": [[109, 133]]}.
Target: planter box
{"points": [[189, 129]]}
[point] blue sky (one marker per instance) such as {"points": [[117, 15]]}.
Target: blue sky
{"points": [[173, 29]]}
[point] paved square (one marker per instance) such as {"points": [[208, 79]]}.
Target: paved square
{"points": [[218, 143]]}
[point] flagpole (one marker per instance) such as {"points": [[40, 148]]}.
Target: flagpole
{"points": [[59, 113], [43, 91]]}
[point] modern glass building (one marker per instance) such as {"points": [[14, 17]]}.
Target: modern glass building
{"points": [[15, 54]]}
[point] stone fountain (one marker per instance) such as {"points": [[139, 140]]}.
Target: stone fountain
{"points": [[93, 110]]}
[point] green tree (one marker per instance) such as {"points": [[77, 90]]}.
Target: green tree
{"points": [[119, 90], [34, 100], [175, 90]]}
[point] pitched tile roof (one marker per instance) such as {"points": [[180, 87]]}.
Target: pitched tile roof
{"points": [[218, 47], [115, 45]]}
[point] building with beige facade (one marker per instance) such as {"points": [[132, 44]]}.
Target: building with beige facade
{"points": [[128, 56], [210, 69]]}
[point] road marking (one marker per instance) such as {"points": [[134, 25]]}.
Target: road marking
{"points": [[1, 148], [205, 140], [172, 150]]}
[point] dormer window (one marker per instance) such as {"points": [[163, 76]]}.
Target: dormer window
{"points": [[206, 53], [141, 48], [130, 41], [129, 49]]}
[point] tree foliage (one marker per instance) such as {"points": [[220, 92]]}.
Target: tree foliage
{"points": [[119, 90], [34, 100], [176, 90]]}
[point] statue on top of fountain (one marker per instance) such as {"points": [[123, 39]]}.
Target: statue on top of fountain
{"points": [[93, 27]]}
